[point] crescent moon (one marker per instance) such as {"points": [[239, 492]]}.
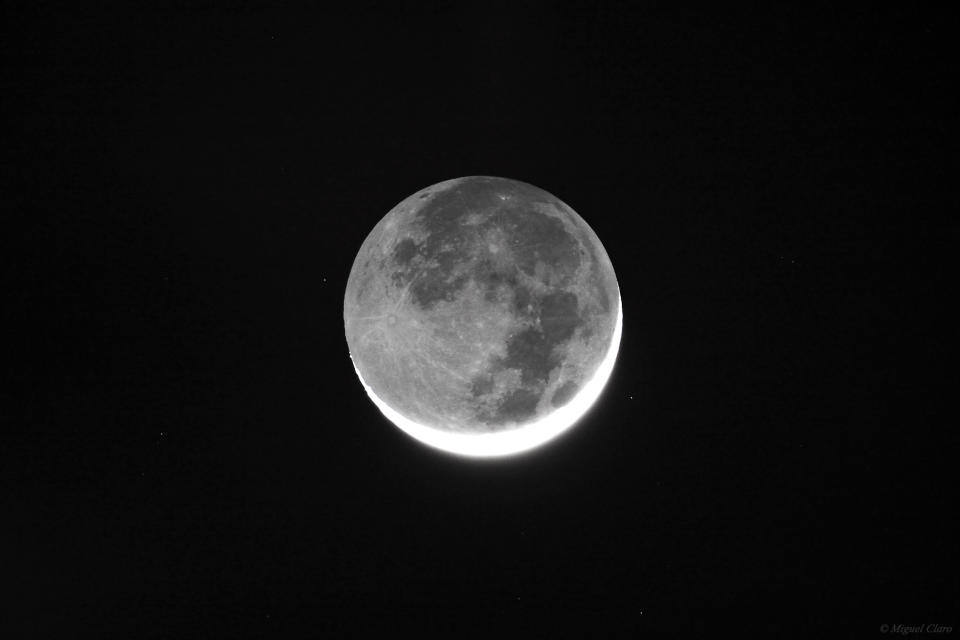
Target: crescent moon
{"points": [[480, 317]]}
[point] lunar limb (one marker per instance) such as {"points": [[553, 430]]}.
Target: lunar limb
{"points": [[483, 316]]}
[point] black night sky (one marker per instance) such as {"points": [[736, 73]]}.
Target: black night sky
{"points": [[187, 452]]}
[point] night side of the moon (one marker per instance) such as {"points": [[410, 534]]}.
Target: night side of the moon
{"points": [[480, 304]]}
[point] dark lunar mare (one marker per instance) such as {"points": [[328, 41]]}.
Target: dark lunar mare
{"points": [[564, 393], [535, 236], [533, 351], [596, 277]]}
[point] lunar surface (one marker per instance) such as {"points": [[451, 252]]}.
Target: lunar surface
{"points": [[482, 316]]}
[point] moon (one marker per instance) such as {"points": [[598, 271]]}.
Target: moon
{"points": [[482, 316]]}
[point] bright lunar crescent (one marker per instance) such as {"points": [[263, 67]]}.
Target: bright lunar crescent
{"points": [[483, 316]]}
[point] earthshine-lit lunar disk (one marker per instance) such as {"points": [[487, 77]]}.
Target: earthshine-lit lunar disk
{"points": [[483, 316]]}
